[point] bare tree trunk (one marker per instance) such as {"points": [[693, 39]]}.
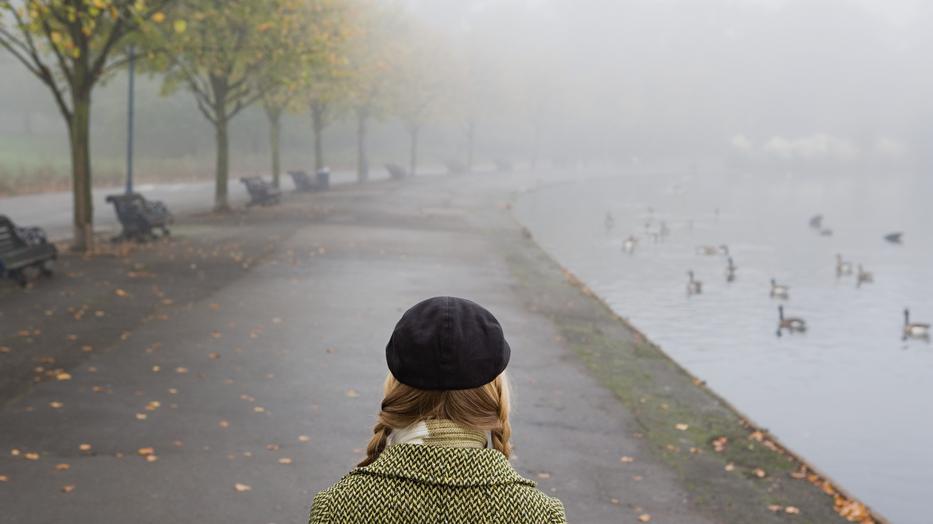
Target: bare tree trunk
{"points": [[275, 131], [362, 159], [221, 202], [317, 125], [414, 131], [80, 140]]}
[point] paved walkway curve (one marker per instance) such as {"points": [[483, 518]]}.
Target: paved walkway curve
{"points": [[260, 386]]}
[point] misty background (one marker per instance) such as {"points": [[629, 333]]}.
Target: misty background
{"points": [[752, 84]]}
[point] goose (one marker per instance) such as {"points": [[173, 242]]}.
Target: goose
{"points": [[730, 271], [863, 277], [816, 221], [779, 290], [609, 221], [694, 287], [791, 324], [894, 238], [915, 329], [842, 267], [629, 245]]}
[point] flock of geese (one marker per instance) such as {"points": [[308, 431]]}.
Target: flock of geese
{"points": [[844, 268]]}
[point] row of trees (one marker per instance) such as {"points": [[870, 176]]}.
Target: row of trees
{"points": [[330, 59]]}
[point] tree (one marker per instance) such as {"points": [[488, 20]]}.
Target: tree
{"points": [[295, 68], [419, 81], [70, 45], [218, 55], [370, 58]]}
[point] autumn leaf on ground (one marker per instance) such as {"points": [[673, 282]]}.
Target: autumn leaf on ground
{"points": [[259, 409], [56, 404], [120, 293], [5, 349], [224, 424], [63, 376], [242, 487], [62, 467], [181, 370], [544, 475], [719, 444], [285, 460], [143, 452], [760, 473], [792, 510], [304, 438], [32, 455], [644, 517], [141, 416], [681, 427], [774, 508], [4, 478], [68, 488], [626, 459], [352, 393], [729, 467], [85, 447]]}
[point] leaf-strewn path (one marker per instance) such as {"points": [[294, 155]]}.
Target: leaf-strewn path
{"points": [[228, 374]]}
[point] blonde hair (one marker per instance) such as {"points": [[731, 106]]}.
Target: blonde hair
{"points": [[485, 408]]}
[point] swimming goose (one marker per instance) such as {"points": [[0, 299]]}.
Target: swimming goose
{"points": [[730, 271], [915, 329], [791, 324], [894, 238], [779, 290], [694, 287], [863, 277], [629, 245], [842, 267]]}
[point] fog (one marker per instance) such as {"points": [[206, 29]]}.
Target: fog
{"points": [[795, 84]]}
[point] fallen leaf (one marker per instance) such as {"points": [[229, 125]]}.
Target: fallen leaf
{"points": [[681, 427], [242, 487], [31, 455], [224, 424], [63, 376], [792, 510], [15, 452], [144, 452], [644, 517], [5, 349], [304, 438], [729, 467], [214, 355], [4, 478], [352, 393], [181, 370], [774, 508], [172, 391], [141, 416], [259, 409], [626, 459], [68, 488], [153, 405], [151, 458], [56, 404], [120, 293], [85, 447], [544, 476], [760, 473], [62, 467], [285, 460]]}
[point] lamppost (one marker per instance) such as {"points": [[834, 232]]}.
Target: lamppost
{"points": [[129, 120]]}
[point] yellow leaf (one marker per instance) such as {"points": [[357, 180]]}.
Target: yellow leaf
{"points": [[158, 17], [242, 487], [180, 26]]}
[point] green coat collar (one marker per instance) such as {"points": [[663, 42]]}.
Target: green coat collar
{"points": [[444, 466]]}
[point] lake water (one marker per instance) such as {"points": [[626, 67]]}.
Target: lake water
{"points": [[849, 395]]}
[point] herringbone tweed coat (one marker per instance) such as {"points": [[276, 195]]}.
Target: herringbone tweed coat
{"points": [[417, 484]]}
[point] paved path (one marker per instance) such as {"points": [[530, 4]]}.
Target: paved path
{"points": [[245, 357], [285, 361]]}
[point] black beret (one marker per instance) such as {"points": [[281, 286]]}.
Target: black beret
{"points": [[446, 343]]}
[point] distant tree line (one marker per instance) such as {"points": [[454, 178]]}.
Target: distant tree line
{"points": [[329, 59]]}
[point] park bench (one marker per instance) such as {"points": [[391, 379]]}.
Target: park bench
{"points": [[261, 192], [303, 182], [396, 171], [140, 217], [22, 249]]}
